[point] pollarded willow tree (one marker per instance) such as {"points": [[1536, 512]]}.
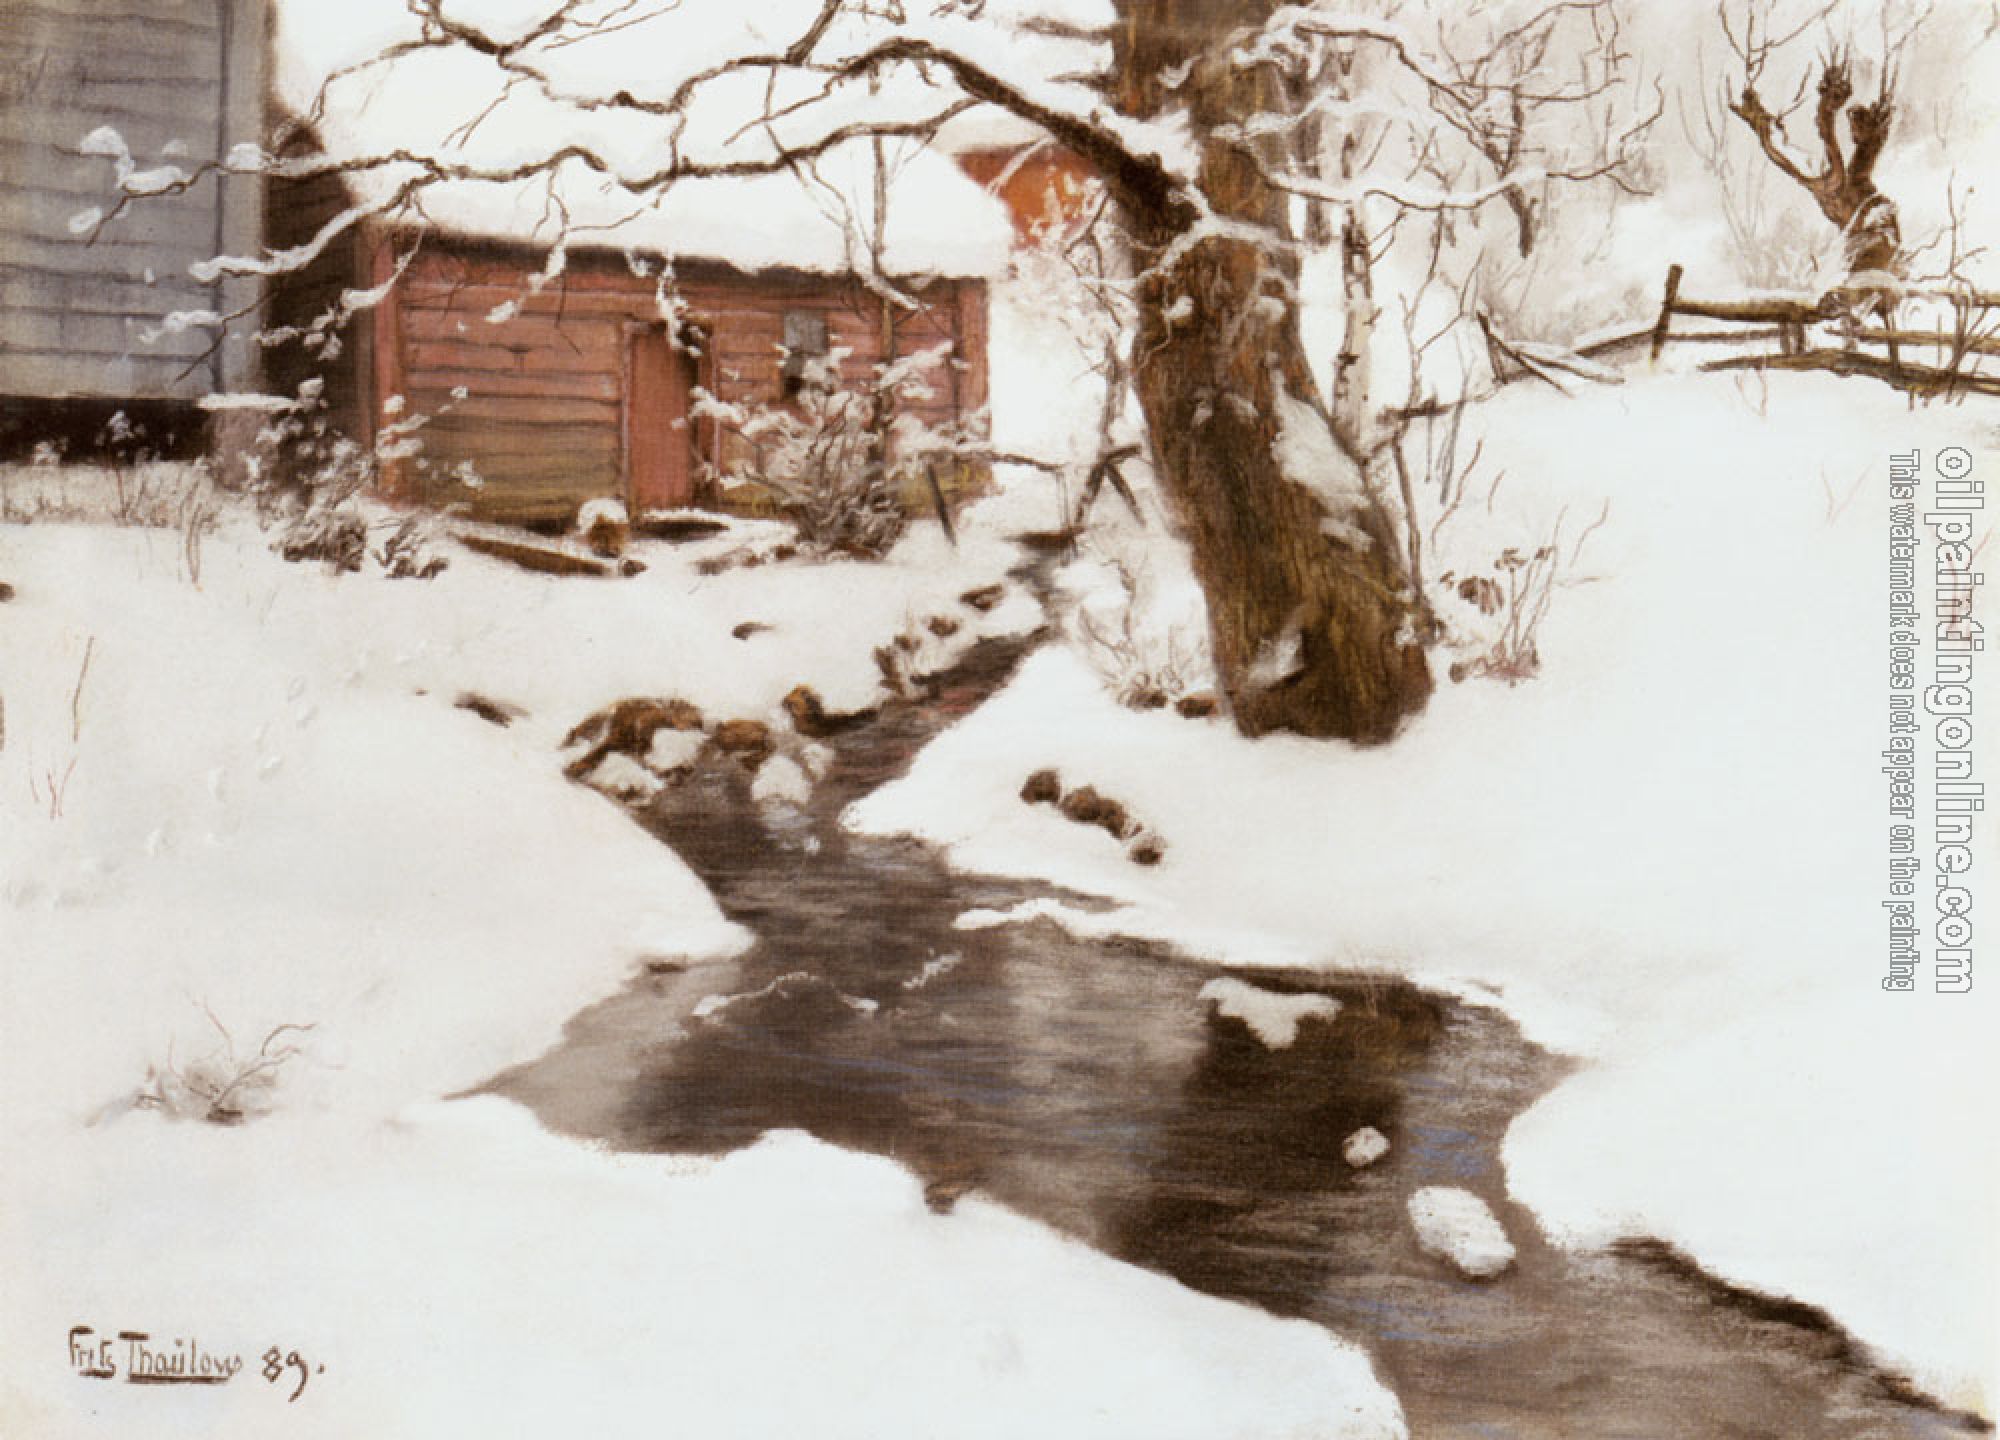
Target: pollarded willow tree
{"points": [[1837, 172], [1233, 140]]}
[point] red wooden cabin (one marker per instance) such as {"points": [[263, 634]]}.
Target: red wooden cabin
{"points": [[550, 394]]}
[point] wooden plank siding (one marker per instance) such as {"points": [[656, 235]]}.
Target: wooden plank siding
{"points": [[528, 389], [171, 76]]}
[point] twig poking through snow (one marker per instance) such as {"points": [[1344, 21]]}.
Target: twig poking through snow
{"points": [[76, 695]]}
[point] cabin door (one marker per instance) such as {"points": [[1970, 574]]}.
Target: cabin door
{"points": [[659, 436]]}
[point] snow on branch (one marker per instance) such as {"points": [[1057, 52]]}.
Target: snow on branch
{"points": [[280, 262], [845, 52], [1528, 103], [1403, 194], [1298, 30], [1141, 181]]}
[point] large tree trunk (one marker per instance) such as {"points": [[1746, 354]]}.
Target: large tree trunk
{"points": [[1311, 632], [1311, 613]]}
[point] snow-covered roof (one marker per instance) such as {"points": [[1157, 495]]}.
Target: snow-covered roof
{"points": [[454, 105]]}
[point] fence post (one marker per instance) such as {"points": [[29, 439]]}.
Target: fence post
{"points": [[1666, 311]]}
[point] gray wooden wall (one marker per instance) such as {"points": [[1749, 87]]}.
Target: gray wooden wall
{"points": [[181, 81]]}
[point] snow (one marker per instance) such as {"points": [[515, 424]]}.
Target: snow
{"points": [[279, 839], [621, 775], [1830, 1150], [422, 102], [672, 750], [709, 1007], [781, 781], [604, 510], [244, 820], [106, 143], [267, 404], [1455, 1225], [465, 1272], [1273, 1018], [1364, 1147], [934, 967], [1078, 923], [1307, 457], [282, 262], [195, 727], [1662, 854]]}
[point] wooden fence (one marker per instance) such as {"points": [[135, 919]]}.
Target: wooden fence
{"points": [[1847, 331]]}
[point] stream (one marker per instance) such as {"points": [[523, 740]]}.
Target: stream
{"points": [[1085, 1084]]}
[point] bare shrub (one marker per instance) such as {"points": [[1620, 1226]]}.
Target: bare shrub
{"points": [[195, 517], [1146, 666], [300, 458], [1516, 594], [839, 458], [125, 451], [410, 551], [307, 478], [221, 1087], [333, 532], [49, 789], [128, 484], [1770, 228], [1521, 598], [1948, 320]]}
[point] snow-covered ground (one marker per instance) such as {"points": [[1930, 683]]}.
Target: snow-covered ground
{"points": [[283, 852], [273, 769], [460, 1272], [254, 857], [1666, 853]]}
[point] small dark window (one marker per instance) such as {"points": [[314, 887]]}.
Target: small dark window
{"points": [[805, 341]]}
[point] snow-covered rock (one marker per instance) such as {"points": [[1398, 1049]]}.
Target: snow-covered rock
{"points": [[780, 781], [604, 525], [1364, 1147], [604, 510], [1273, 1018], [619, 774], [672, 750], [1456, 1226]]}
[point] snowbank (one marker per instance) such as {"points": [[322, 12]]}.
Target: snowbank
{"points": [[272, 814], [1839, 1149], [1666, 852], [463, 1272], [258, 803]]}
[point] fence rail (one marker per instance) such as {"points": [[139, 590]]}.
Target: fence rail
{"points": [[1858, 319], [1841, 315]]}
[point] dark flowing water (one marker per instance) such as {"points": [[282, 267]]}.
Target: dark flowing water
{"points": [[1087, 1085]]}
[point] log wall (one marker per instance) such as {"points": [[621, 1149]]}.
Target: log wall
{"points": [[543, 375]]}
